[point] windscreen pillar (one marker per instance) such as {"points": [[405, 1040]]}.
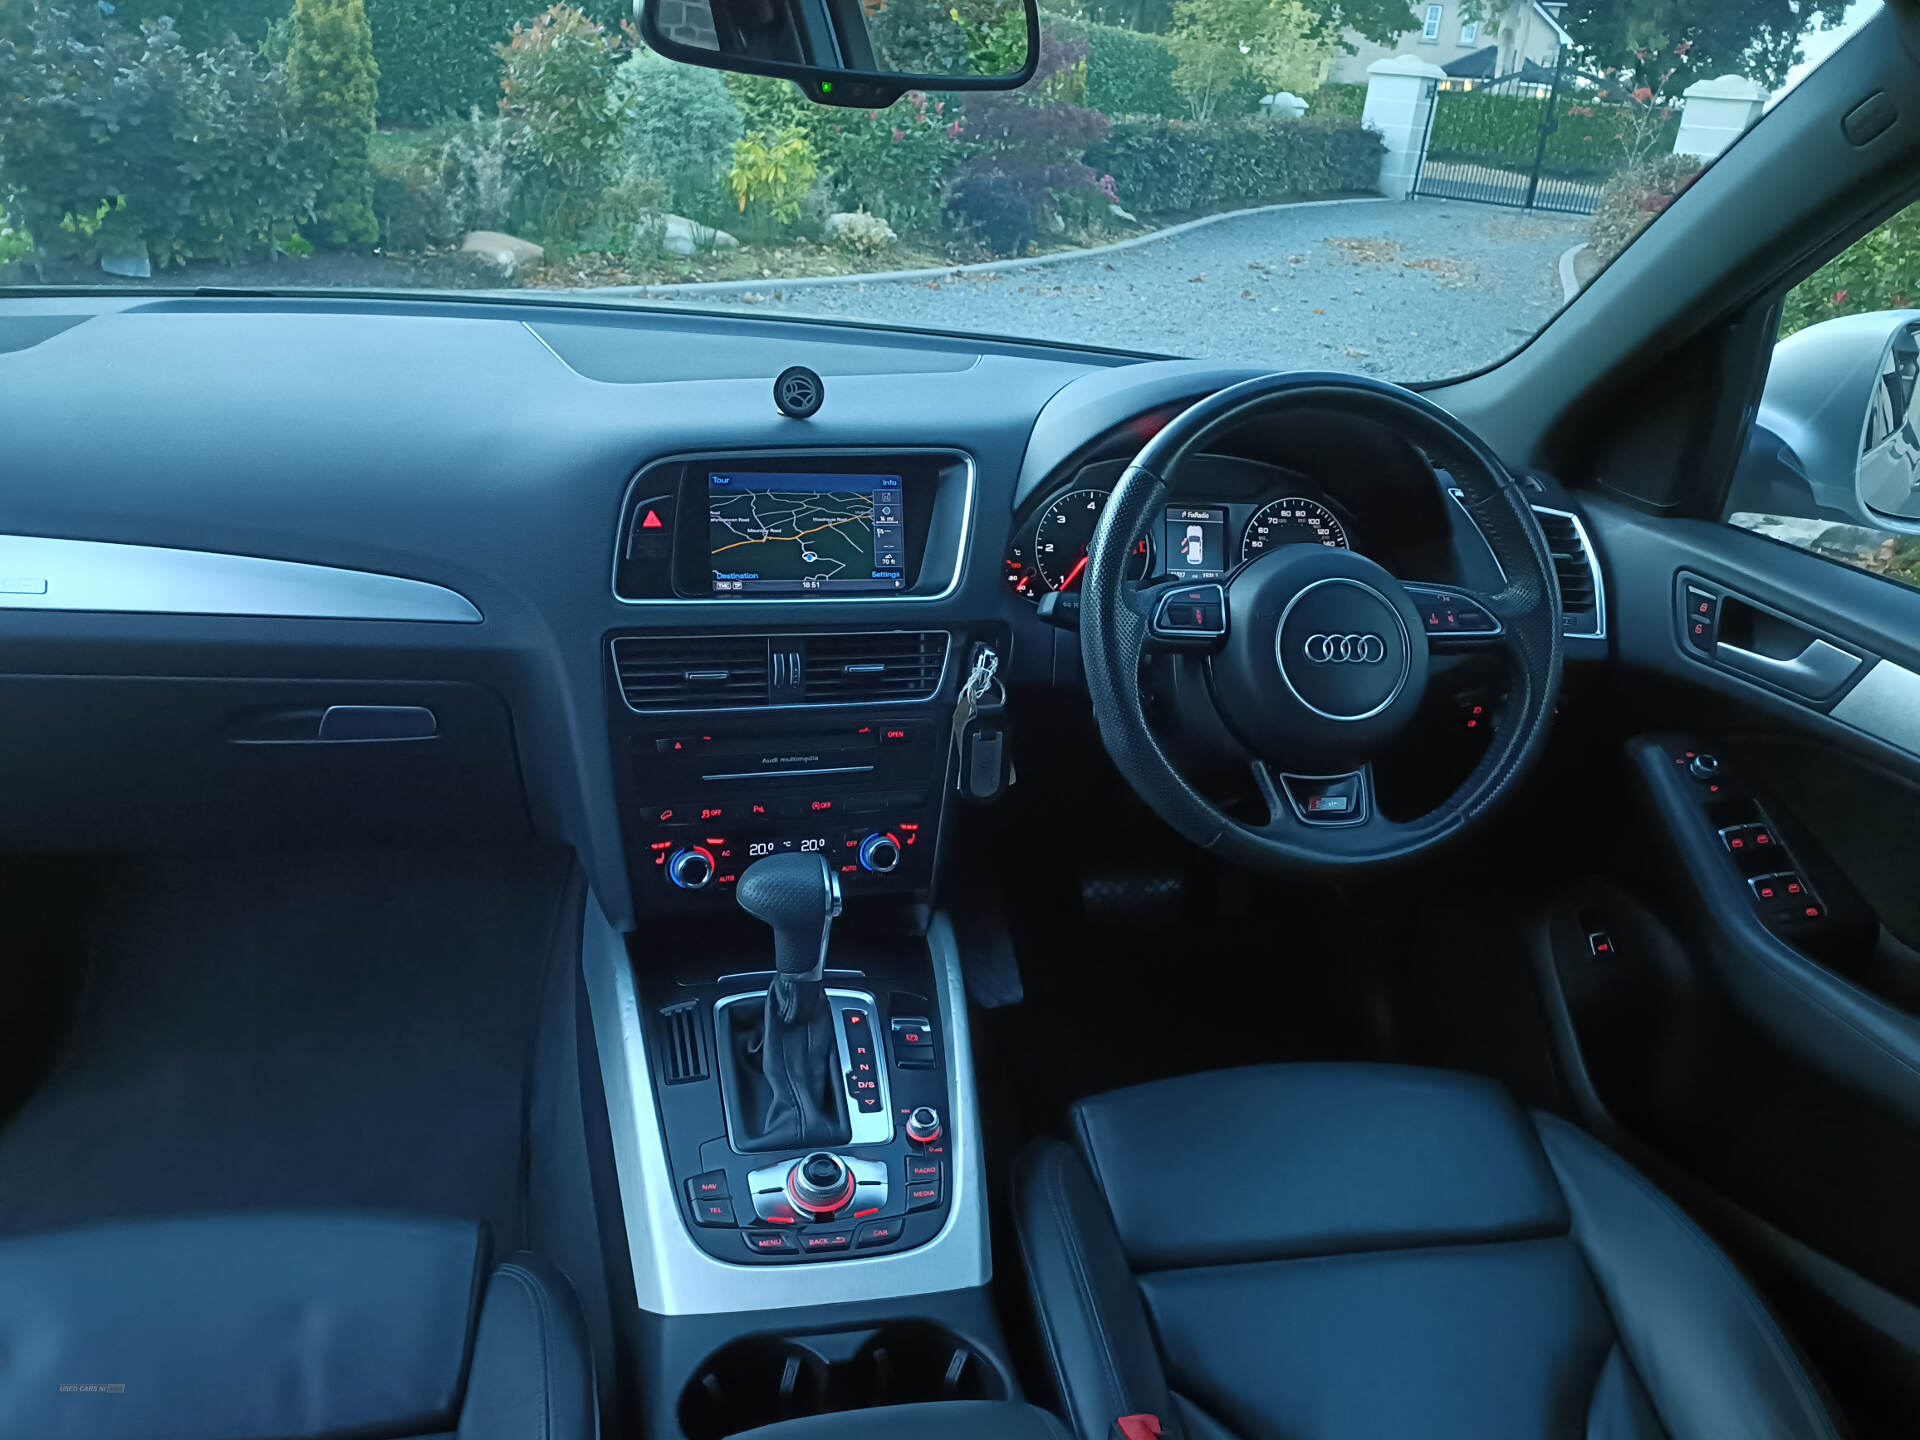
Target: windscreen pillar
{"points": [[1717, 113], [1399, 108]]}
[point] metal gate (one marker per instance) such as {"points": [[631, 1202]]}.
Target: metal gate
{"points": [[1492, 141]]}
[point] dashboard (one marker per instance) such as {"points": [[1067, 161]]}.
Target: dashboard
{"points": [[347, 570]]}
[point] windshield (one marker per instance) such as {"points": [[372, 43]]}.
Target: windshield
{"points": [[1333, 184]]}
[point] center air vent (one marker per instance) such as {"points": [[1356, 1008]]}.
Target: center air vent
{"points": [[1580, 600], [730, 672]]}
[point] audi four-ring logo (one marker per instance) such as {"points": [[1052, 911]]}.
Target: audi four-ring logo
{"points": [[1345, 649]]}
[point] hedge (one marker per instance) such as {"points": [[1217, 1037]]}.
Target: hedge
{"points": [[1589, 140], [1128, 72], [1176, 166], [1337, 102]]}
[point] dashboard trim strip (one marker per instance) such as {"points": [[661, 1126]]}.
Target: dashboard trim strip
{"points": [[674, 1276], [109, 577], [801, 453]]}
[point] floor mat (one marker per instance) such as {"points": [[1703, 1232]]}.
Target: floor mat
{"points": [[314, 1030]]}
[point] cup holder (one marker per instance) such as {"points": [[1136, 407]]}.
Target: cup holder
{"points": [[762, 1379]]}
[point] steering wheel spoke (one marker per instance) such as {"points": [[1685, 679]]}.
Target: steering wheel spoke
{"points": [[1181, 615]]}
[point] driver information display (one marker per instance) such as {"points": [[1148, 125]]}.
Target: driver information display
{"points": [[787, 534]]}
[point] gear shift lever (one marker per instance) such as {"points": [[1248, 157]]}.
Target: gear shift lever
{"points": [[797, 896]]}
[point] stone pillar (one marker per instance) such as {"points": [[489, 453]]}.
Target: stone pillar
{"points": [[1716, 113], [1399, 106]]}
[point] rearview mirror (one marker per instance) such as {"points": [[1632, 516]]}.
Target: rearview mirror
{"points": [[854, 52]]}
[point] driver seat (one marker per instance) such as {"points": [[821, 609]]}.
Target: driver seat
{"points": [[1290, 1252]]}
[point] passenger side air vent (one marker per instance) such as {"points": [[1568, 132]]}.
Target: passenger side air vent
{"points": [[683, 1049], [1580, 595], [692, 672], [891, 665]]}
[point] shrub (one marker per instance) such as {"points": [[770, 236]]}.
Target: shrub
{"points": [[775, 106], [773, 175], [437, 58], [677, 122], [1629, 201], [117, 139], [1880, 271], [333, 88], [1033, 138], [554, 76], [1174, 166], [1337, 102], [994, 206], [432, 188], [1130, 74], [15, 242], [892, 162]]}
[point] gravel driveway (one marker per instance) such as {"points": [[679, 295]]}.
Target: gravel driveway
{"points": [[1410, 291]]}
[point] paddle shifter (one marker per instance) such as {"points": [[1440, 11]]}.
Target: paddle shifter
{"points": [[787, 1070]]}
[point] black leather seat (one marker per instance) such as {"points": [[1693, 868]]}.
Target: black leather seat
{"points": [[1363, 1251], [287, 1326]]}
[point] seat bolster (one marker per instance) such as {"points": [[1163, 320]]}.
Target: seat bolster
{"points": [[1091, 1317], [1712, 1359], [532, 1376]]}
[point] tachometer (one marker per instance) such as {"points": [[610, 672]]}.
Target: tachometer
{"points": [[1060, 539], [1291, 520]]}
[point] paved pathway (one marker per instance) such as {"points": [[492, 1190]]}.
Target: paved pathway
{"points": [[1410, 291]]}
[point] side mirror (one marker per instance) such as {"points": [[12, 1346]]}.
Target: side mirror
{"points": [[863, 53], [1888, 473]]}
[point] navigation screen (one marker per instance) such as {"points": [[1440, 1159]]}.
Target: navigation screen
{"points": [[789, 534]]}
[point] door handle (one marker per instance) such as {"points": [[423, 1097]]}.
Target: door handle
{"points": [[1814, 674]]}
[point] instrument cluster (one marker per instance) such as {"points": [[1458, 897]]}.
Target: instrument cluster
{"points": [[1237, 511]]}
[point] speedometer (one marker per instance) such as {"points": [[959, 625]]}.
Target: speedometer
{"points": [[1291, 520]]}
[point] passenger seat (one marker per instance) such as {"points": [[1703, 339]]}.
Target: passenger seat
{"points": [[276, 1325]]}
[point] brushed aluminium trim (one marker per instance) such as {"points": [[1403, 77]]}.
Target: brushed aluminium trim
{"points": [[854, 703], [1886, 705], [825, 453], [105, 576], [674, 1276]]}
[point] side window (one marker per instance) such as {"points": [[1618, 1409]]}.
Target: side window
{"points": [[1833, 463]]}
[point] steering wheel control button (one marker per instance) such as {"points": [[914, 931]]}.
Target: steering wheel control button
{"points": [[712, 1185], [875, 1233], [923, 1125], [714, 1214], [1327, 799], [1447, 612], [1342, 649], [1191, 612], [770, 1242]]}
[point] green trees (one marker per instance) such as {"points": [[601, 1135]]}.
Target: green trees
{"points": [[1238, 46], [333, 90], [678, 122]]}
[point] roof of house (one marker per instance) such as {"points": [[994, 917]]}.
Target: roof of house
{"points": [[1480, 65]]}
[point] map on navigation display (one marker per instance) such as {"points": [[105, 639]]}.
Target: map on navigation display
{"points": [[772, 532]]}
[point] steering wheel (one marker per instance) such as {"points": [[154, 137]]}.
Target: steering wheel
{"points": [[1316, 658]]}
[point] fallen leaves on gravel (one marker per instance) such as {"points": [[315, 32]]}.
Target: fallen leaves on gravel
{"points": [[1362, 250]]}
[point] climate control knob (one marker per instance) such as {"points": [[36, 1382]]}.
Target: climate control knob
{"points": [[923, 1125], [879, 853], [691, 867]]}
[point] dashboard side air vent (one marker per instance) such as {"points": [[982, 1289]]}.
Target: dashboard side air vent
{"points": [[691, 672], [1581, 598], [891, 665], [683, 1048]]}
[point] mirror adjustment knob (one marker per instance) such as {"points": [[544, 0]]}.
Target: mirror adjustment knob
{"points": [[923, 1125], [1704, 766], [691, 867], [879, 853], [819, 1183]]}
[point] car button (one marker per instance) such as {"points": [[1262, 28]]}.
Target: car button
{"points": [[876, 1233]]}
